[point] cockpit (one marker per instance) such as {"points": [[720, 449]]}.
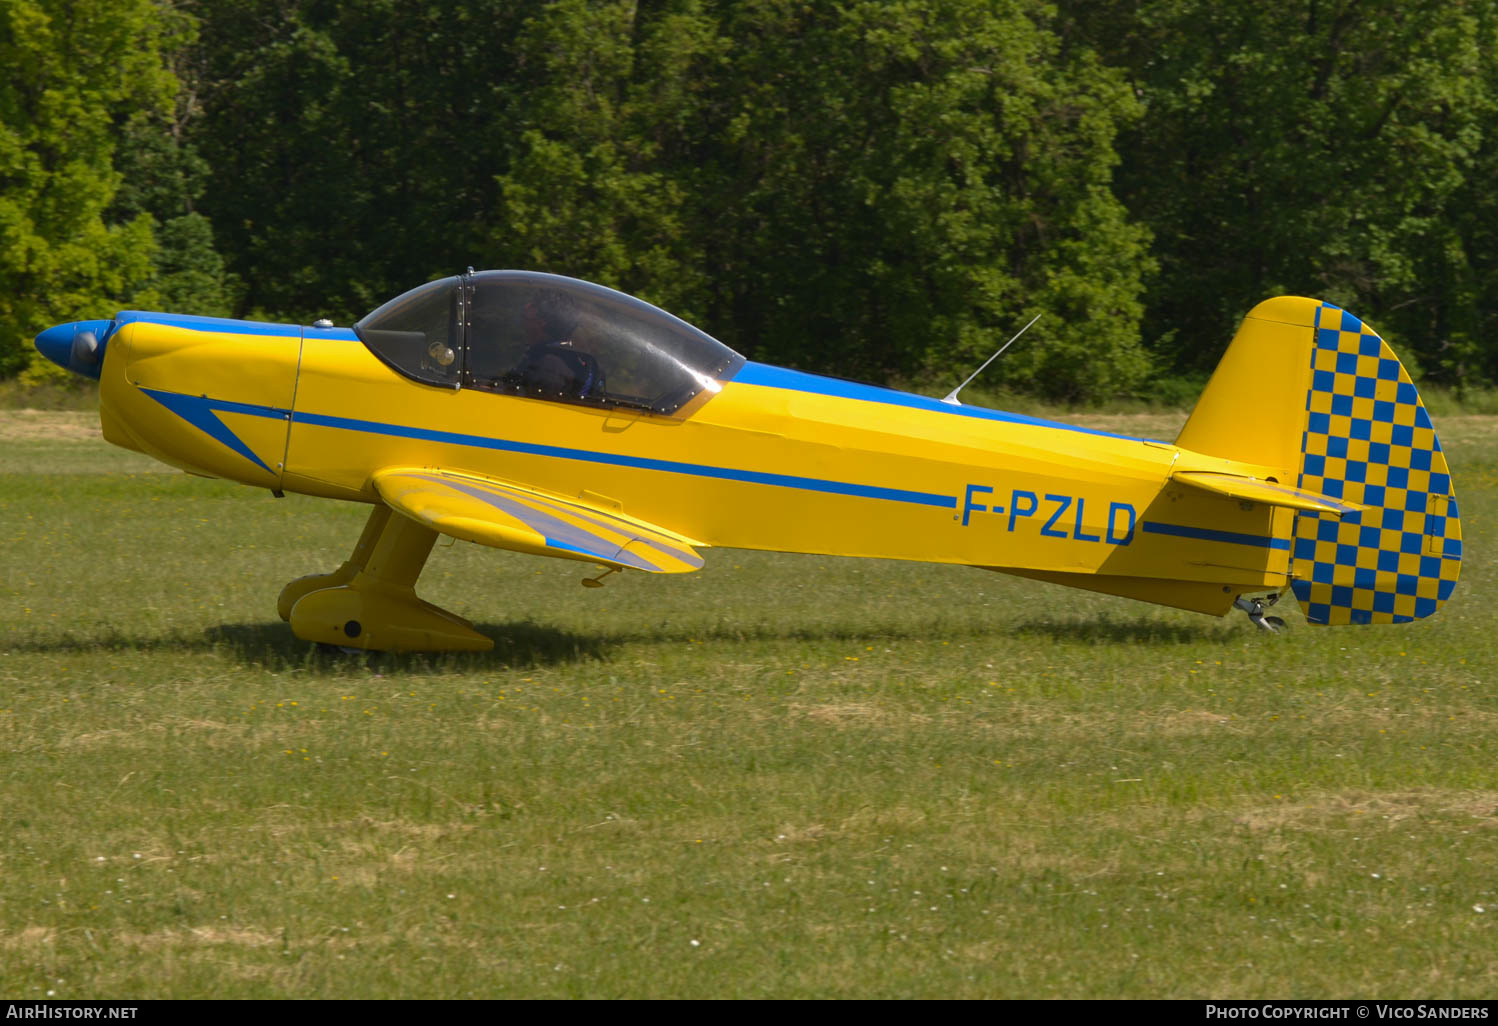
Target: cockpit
{"points": [[547, 337]]}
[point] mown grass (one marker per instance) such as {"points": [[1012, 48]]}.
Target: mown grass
{"points": [[781, 776]]}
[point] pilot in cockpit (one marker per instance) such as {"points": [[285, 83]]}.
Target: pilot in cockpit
{"points": [[551, 364]]}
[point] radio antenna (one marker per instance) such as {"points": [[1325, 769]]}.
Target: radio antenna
{"points": [[952, 395]]}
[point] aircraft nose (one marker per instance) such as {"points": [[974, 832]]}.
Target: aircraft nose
{"points": [[77, 346]]}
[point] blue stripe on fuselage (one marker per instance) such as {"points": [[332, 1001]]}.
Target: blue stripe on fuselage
{"points": [[224, 325], [767, 376], [1208, 534], [812, 484], [229, 326]]}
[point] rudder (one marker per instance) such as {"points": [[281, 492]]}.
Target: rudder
{"points": [[1369, 440]]}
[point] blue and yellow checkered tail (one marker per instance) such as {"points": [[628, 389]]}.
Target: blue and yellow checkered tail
{"points": [[1308, 393], [1369, 441]]}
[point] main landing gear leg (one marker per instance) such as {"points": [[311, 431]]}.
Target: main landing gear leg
{"points": [[1255, 610], [345, 573], [370, 601]]}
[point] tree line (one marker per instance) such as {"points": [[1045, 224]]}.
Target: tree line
{"points": [[878, 189]]}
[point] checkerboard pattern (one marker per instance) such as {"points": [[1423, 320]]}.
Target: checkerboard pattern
{"points": [[1369, 440]]}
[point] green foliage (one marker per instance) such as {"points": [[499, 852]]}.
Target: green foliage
{"points": [[882, 190], [904, 185], [354, 147], [189, 273], [1462, 348], [869, 190], [163, 176], [74, 74], [1315, 149], [591, 192]]}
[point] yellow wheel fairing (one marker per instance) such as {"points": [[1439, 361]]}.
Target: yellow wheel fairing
{"points": [[377, 607]]}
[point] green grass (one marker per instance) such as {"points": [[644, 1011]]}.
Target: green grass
{"points": [[781, 776]]}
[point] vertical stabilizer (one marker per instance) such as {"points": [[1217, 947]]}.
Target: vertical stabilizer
{"points": [[1253, 409], [1309, 390]]}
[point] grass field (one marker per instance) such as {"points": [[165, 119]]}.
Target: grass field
{"points": [[781, 776]]}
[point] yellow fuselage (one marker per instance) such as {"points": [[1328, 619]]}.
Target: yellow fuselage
{"points": [[774, 459]]}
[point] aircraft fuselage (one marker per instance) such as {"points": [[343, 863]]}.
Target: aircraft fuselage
{"points": [[771, 459]]}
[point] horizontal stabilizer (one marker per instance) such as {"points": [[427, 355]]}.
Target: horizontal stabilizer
{"points": [[506, 516], [1271, 493]]}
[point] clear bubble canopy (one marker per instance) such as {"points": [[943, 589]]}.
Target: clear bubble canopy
{"points": [[548, 337]]}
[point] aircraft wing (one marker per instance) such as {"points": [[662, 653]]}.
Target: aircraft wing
{"points": [[1251, 489], [507, 516]]}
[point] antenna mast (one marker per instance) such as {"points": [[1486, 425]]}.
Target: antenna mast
{"points": [[951, 396]]}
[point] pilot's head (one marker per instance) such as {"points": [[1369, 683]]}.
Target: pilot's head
{"points": [[550, 316]]}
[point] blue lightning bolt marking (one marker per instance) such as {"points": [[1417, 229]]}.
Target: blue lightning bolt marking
{"points": [[202, 413]]}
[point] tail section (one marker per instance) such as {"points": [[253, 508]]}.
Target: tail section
{"points": [[1317, 397]]}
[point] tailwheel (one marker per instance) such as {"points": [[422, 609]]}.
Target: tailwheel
{"points": [[1255, 607]]}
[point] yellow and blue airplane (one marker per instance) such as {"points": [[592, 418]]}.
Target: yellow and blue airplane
{"points": [[552, 416]]}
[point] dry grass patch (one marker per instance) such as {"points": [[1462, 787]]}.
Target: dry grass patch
{"points": [[28, 939], [1372, 809], [872, 820], [1162, 426], [195, 936], [1467, 430], [1040, 723], [49, 425], [1461, 429], [1187, 721], [789, 833], [846, 714], [214, 734]]}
